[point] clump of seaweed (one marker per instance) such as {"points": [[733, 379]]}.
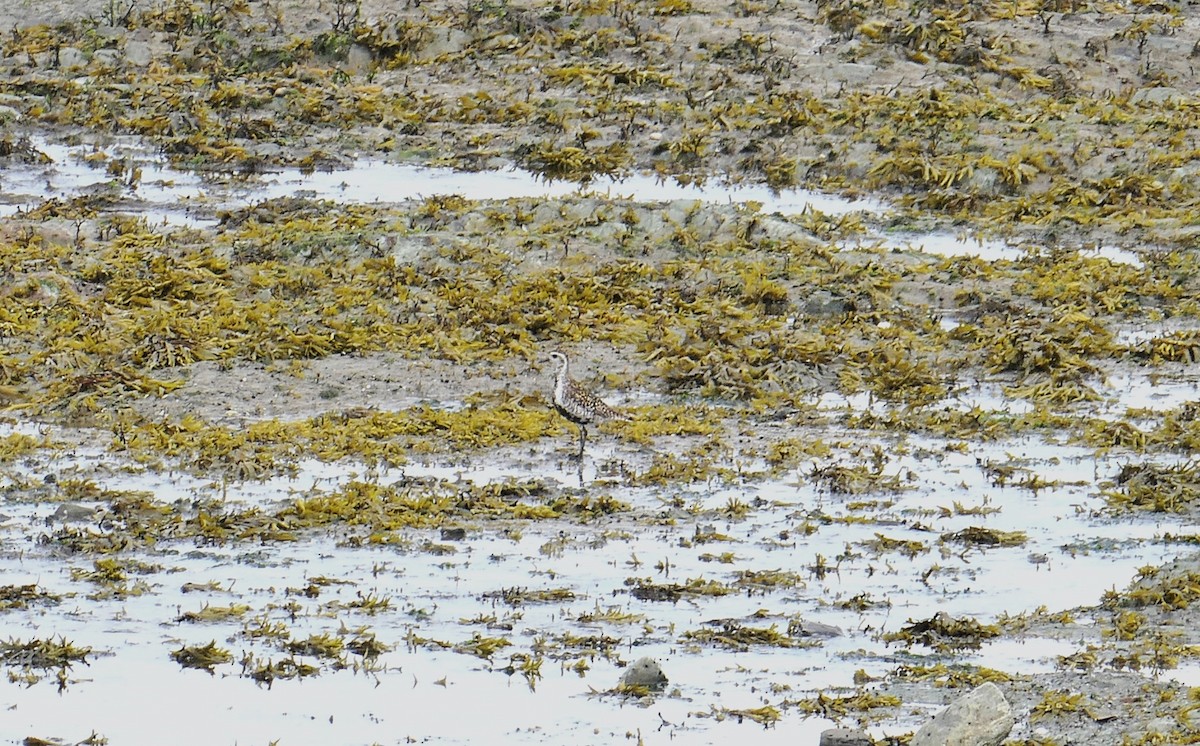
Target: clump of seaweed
{"points": [[835, 707], [647, 590], [267, 671], [30, 656], [1171, 591], [733, 634], [23, 596], [212, 614], [1155, 487], [980, 536], [945, 633], [857, 479], [1059, 702], [523, 596], [205, 657], [952, 676]]}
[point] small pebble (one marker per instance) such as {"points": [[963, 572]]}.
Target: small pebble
{"points": [[72, 513], [845, 737]]}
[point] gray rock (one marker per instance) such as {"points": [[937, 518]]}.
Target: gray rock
{"points": [[445, 41], [985, 180], [644, 672], [359, 59], [824, 303], [681, 211], [982, 717], [815, 629], [589, 23], [852, 72], [1156, 96], [9, 114], [70, 58], [138, 53], [845, 737], [779, 229], [72, 513], [107, 58]]}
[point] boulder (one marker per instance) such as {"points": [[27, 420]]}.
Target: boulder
{"points": [[982, 717], [644, 672]]}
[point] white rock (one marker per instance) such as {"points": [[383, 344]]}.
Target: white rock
{"points": [[644, 672], [982, 717]]}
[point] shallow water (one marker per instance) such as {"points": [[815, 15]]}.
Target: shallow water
{"points": [[990, 250], [171, 196], [453, 697]]}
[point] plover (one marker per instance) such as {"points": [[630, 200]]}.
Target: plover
{"points": [[576, 403]]}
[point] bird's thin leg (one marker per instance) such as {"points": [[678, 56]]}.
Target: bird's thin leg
{"points": [[582, 439]]}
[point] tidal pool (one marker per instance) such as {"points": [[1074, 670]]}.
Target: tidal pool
{"points": [[165, 194]]}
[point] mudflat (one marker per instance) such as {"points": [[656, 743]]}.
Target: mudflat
{"points": [[789, 377]]}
